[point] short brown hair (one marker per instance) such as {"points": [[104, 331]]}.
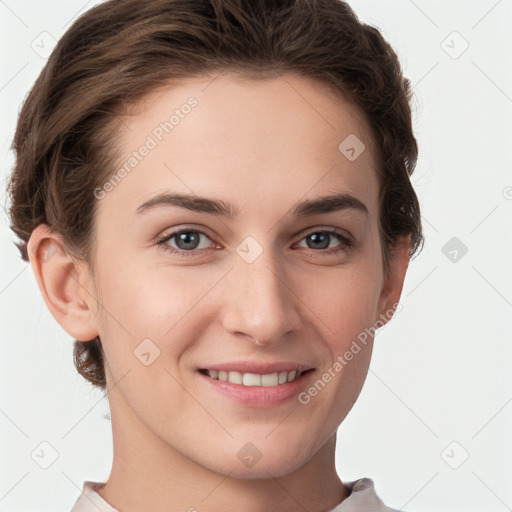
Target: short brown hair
{"points": [[119, 51]]}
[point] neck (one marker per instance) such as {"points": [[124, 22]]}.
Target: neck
{"points": [[149, 474]]}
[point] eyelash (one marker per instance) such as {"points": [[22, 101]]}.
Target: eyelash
{"points": [[346, 243]]}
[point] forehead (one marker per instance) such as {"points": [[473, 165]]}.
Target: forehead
{"points": [[246, 141]]}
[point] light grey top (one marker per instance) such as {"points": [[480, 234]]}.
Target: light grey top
{"points": [[363, 498]]}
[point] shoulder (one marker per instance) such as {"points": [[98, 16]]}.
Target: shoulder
{"points": [[90, 500], [363, 496]]}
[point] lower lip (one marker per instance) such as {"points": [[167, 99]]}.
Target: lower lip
{"points": [[259, 396]]}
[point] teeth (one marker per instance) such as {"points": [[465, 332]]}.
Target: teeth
{"points": [[271, 379], [250, 379], [235, 377], [254, 379]]}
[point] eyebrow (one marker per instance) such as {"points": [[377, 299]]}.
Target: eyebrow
{"points": [[324, 204]]}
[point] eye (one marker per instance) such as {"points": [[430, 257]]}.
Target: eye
{"points": [[186, 240], [320, 240]]}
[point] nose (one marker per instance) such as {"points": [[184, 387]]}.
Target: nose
{"points": [[259, 303]]}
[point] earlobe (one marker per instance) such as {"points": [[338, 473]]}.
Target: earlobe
{"points": [[394, 280], [58, 281]]}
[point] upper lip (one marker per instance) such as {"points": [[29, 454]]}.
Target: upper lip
{"points": [[259, 367]]}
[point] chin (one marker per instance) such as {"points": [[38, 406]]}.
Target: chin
{"points": [[259, 460]]}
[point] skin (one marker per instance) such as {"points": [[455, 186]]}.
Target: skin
{"points": [[262, 146]]}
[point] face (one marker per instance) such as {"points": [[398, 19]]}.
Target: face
{"points": [[216, 258]]}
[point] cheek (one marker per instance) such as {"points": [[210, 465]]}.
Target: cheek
{"points": [[344, 302], [158, 303]]}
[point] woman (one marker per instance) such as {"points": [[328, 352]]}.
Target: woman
{"points": [[214, 197]]}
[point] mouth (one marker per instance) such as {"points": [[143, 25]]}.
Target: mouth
{"points": [[254, 379], [257, 384]]}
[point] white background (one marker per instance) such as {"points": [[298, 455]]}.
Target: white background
{"points": [[440, 384]]}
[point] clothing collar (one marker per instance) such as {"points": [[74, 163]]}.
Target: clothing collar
{"points": [[362, 497]]}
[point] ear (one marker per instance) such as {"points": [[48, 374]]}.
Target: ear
{"points": [[394, 280], [58, 279]]}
